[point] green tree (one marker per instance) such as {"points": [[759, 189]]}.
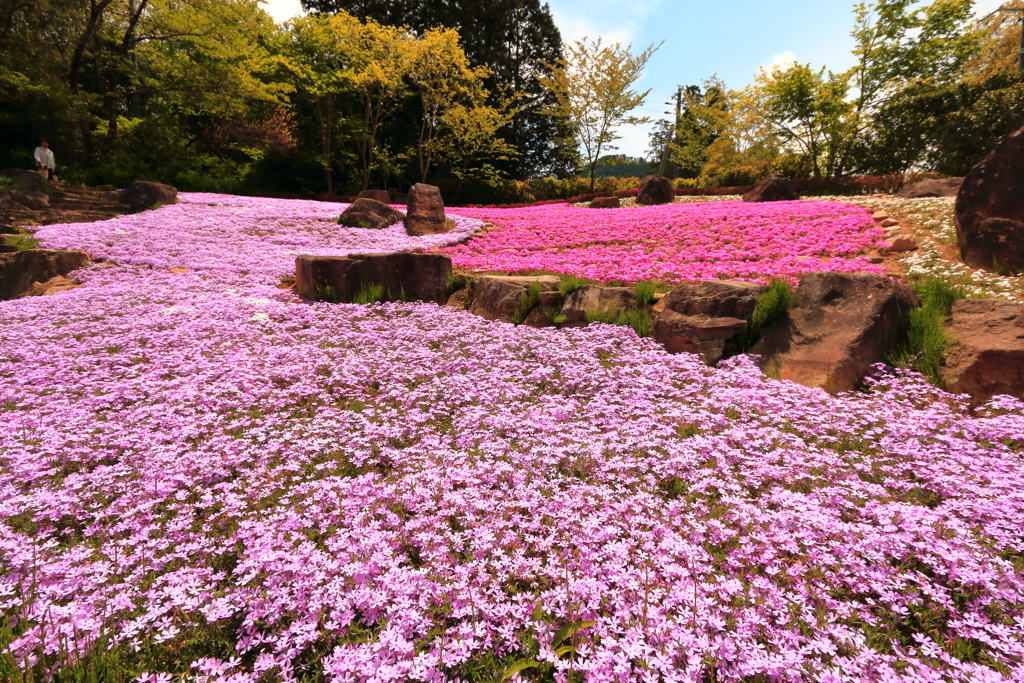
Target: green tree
{"points": [[592, 89], [809, 110], [703, 118]]}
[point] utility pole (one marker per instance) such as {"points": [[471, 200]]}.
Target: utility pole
{"points": [[1020, 52], [672, 132]]}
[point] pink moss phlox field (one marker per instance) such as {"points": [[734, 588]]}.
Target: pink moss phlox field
{"points": [[245, 487], [674, 242], [232, 235]]}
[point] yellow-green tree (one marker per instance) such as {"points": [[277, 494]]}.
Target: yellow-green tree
{"points": [[446, 81], [471, 143], [593, 89]]}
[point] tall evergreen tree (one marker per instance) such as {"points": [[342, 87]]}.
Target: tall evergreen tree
{"points": [[515, 39]]}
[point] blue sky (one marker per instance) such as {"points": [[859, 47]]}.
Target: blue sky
{"points": [[730, 38]]}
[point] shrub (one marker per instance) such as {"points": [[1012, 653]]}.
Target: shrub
{"points": [[456, 283], [926, 339], [569, 284]]}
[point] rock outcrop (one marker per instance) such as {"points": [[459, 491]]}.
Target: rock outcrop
{"points": [[402, 276], [942, 187], [987, 355], [501, 297], [142, 195], [605, 203], [594, 298], [425, 211], [31, 181], [840, 325], [655, 189], [20, 270], [774, 188], [701, 317], [369, 213], [989, 213]]}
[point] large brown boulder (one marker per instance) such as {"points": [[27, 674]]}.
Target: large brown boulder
{"points": [[655, 189], [8, 204], [20, 270], [402, 277], [425, 211], [37, 201], [594, 299], [605, 203], [145, 194], [501, 297], [774, 188], [377, 195], [840, 325], [987, 354], [989, 213], [944, 187], [369, 213], [701, 317]]}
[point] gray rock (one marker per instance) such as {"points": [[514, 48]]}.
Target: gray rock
{"points": [[774, 188], [143, 195], [655, 189]]}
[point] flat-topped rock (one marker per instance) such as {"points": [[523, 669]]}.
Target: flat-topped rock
{"points": [[500, 297], [605, 203], [939, 187], [402, 276], [594, 298]]}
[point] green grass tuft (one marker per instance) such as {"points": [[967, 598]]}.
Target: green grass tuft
{"points": [[569, 284], [529, 301], [637, 318], [456, 283], [644, 293], [926, 338], [326, 293], [773, 303], [369, 294], [22, 242]]}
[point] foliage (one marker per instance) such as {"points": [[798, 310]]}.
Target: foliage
{"points": [[948, 129], [637, 318], [370, 293], [926, 337], [591, 86]]}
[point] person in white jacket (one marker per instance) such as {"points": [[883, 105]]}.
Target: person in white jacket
{"points": [[44, 160]]}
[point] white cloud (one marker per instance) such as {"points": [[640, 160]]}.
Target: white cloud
{"points": [[780, 61], [282, 10]]}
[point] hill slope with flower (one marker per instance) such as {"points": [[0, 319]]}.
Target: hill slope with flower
{"points": [[203, 476]]}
